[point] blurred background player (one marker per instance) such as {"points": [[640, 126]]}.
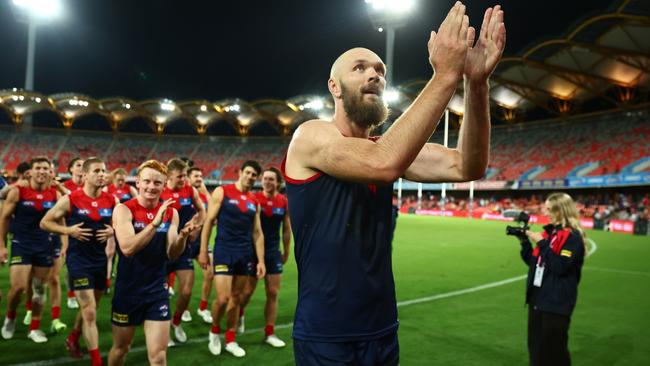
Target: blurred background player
{"points": [[88, 213], [123, 192], [188, 204], [195, 177], [76, 172], [274, 217], [32, 251], [237, 214], [75, 168]]}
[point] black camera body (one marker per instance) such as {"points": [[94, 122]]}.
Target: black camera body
{"points": [[519, 231]]}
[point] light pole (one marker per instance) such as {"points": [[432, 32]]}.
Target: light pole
{"points": [[34, 13], [388, 15]]}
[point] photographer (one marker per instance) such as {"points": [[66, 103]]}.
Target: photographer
{"points": [[553, 276]]}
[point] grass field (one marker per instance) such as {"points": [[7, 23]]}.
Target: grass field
{"points": [[434, 258]]}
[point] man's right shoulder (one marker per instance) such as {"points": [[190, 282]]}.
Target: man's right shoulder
{"points": [[311, 132]]}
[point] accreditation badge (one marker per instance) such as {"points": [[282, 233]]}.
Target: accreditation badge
{"points": [[539, 274]]}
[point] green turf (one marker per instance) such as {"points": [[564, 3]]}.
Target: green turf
{"points": [[434, 256]]}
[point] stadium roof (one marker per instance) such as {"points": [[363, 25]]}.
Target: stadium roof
{"points": [[602, 63]]}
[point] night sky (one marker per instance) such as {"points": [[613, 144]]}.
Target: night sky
{"points": [[249, 49]]}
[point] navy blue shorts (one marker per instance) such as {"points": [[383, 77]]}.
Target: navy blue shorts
{"points": [[273, 262], [128, 312], [232, 264], [56, 240], [184, 262], [86, 278], [195, 248], [35, 254], [383, 351]]}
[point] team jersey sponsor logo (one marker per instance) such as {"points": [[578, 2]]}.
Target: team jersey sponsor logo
{"points": [[105, 212], [48, 204], [251, 206], [125, 196], [220, 268], [163, 228], [81, 282], [278, 211], [120, 318], [83, 211], [186, 201]]}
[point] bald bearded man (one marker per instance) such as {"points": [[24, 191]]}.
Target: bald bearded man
{"points": [[339, 185]]}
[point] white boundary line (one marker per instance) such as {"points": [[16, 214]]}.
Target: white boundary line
{"points": [[62, 360]]}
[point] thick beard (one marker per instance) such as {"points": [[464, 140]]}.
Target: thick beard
{"points": [[363, 114]]}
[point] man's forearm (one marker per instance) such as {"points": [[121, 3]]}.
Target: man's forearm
{"points": [[205, 236], [405, 138], [259, 248], [177, 247], [137, 242], [474, 135]]}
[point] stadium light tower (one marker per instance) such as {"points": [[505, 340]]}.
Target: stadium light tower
{"points": [[34, 13], [387, 16]]}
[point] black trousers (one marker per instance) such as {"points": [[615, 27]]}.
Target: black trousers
{"points": [[548, 338]]}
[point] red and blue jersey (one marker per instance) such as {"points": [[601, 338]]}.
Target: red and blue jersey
{"points": [[123, 194], [342, 232], [235, 222], [94, 213], [183, 202], [143, 274], [71, 186], [32, 206], [274, 209]]}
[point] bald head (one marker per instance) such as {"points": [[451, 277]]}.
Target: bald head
{"points": [[346, 61]]}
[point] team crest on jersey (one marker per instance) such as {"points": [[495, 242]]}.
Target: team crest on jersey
{"points": [[39, 196], [149, 215], [48, 204], [186, 201], [175, 195], [105, 212], [94, 203]]}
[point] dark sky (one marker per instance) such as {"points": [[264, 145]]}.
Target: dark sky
{"points": [[248, 49]]}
